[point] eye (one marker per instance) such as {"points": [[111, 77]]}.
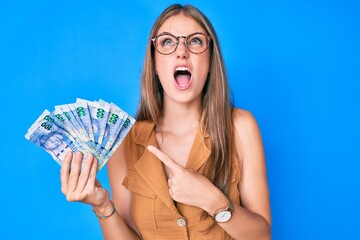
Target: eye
{"points": [[196, 41], [166, 41]]}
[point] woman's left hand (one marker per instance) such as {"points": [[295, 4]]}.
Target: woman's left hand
{"points": [[187, 186]]}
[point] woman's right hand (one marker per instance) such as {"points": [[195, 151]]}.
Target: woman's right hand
{"points": [[79, 183]]}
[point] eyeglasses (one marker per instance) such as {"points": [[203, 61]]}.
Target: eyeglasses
{"points": [[166, 43]]}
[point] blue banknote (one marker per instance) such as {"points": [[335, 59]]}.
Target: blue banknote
{"points": [[71, 112], [95, 127], [113, 126], [129, 122], [83, 113], [51, 137], [99, 116]]}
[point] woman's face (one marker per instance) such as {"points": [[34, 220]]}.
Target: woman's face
{"points": [[182, 73]]}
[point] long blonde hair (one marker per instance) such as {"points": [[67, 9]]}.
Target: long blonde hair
{"points": [[216, 105]]}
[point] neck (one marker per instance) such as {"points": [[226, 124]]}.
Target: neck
{"points": [[180, 117]]}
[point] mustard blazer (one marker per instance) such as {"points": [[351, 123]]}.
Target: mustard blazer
{"points": [[154, 212]]}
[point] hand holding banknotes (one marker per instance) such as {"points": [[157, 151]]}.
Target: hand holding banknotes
{"points": [[82, 137], [79, 183]]}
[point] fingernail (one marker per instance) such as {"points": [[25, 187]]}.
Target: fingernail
{"points": [[67, 154], [88, 157], [150, 147]]}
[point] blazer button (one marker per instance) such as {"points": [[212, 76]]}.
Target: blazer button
{"points": [[181, 221]]}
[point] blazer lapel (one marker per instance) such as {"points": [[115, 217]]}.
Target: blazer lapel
{"points": [[150, 168], [200, 151]]}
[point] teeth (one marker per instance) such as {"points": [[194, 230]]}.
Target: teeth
{"points": [[182, 69]]}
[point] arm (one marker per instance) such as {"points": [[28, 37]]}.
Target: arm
{"points": [[81, 185], [251, 220], [122, 226]]}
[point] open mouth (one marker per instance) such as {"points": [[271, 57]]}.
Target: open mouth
{"points": [[182, 77]]}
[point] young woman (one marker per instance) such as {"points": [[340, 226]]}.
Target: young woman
{"points": [[192, 167]]}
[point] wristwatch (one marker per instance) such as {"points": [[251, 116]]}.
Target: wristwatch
{"points": [[224, 215]]}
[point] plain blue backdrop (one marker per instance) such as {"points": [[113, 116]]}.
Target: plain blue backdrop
{"points": [[294, 64]]}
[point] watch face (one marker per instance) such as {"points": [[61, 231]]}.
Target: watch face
{"points": [[223, 216]]}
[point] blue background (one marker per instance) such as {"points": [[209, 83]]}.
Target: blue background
{"points": [[294, 64]]}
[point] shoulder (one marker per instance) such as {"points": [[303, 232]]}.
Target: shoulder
{"points": [[244, 122], [247, 137]]}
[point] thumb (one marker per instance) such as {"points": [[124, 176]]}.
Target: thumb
{"points": [[163, 157], [97, 183]]}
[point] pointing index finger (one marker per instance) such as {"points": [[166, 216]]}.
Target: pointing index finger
{"points": [[163, 157]]}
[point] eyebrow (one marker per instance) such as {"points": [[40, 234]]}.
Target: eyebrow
{"points": [[181, 35], [164, 33]]}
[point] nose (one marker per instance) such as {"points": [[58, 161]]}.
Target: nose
{"points": [[181, 50]]}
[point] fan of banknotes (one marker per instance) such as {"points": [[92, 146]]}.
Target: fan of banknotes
{"points": [[95, 127]]}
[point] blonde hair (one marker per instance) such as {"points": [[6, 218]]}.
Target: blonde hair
{"points": [[216, 106]]}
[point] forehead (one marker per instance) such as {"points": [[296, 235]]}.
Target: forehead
{"points": [[181, 24]]}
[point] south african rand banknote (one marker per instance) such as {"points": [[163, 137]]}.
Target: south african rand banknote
{"points": [[95, 127]]}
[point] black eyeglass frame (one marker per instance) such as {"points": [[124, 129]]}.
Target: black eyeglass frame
{"points": [[208, 39]]}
